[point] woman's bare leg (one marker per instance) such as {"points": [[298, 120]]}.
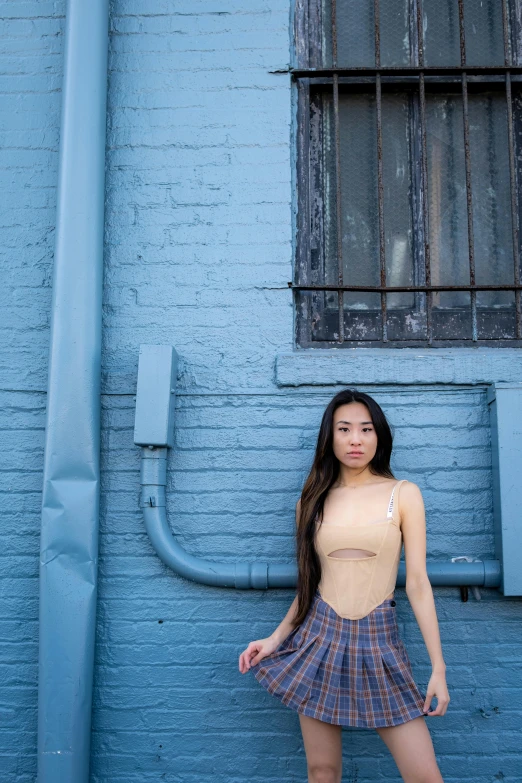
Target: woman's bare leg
{"points": [[412, 749], [323, 747]]}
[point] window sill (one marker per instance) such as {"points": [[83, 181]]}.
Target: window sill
{"points": [[398, 366]]}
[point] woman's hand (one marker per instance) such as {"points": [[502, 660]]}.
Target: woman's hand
{"points": [[437, 687], [255, 652]]}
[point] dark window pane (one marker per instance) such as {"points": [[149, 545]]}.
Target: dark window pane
{"points": [[492, 225], [355, 22], [492, 228], [397, 197], [359, 208], [355, 33], [441, 32], [395, 32], [359, 196], [360, 215], [483, 32], [447, 195]]}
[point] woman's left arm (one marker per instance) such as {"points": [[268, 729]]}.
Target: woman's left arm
{"points": [[420, 592]]}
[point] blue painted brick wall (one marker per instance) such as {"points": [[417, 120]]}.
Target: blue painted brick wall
{"points": [[198, 255], [31, 59]]}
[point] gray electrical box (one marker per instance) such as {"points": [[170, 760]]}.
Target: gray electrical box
{"points": [[155, 396], [505, 405]]}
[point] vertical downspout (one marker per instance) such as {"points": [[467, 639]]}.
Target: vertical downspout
{"points": [[71, 480]]}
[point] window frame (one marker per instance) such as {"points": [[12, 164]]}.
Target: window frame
{"points": [[307, 75]]}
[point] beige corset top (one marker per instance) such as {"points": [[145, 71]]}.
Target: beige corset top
{"points": [[355, 586]]}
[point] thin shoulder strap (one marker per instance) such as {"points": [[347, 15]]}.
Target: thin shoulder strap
{"points": [[392, 497]]}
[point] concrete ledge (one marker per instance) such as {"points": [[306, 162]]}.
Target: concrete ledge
{"points": [[398, 366]]}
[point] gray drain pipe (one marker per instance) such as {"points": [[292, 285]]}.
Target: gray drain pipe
{"points": [[71, 475], [154, 432]]}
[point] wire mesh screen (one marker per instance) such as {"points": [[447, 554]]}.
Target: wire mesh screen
{"points": [[409, 163]]}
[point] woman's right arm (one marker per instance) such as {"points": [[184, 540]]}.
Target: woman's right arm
{"points": [[259, 649], [286, 625]]}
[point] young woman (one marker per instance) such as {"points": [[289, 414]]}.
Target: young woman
{"points": [[337, 658]]}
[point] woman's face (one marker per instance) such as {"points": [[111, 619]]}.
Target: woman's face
{"points": [[354, 436]]}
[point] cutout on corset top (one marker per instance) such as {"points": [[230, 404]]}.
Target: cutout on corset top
{"points": [[352, 554]]}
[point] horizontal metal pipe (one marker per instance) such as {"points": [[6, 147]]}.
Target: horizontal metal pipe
{"points": [[255, 575]]}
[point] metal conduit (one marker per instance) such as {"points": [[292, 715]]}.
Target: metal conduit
{"points": [[242, 575], [260, 576]]}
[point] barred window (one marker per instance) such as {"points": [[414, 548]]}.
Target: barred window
{"points": [[409, 154]]}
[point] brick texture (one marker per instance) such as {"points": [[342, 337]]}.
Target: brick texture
{"points": [[31, 38]]}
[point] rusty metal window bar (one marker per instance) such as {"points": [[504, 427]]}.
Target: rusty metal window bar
{"points": [[409, 164]]}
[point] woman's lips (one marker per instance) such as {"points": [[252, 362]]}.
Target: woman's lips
{"points": [[355, 453]]}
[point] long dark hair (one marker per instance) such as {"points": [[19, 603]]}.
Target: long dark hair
{"points": [[323, 474]]}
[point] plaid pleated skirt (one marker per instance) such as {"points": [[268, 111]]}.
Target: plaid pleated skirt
{"points": [[342, 671]]}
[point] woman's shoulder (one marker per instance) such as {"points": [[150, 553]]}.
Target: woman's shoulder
{"points": [[406, 483], [409, 491]]}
